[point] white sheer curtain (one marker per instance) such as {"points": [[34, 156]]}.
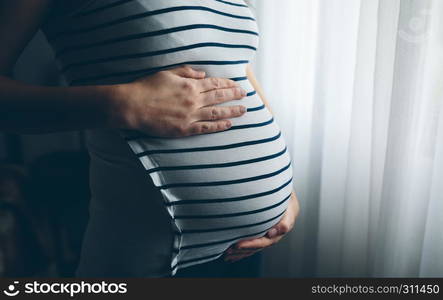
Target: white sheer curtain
{"points": [[357, 88]]}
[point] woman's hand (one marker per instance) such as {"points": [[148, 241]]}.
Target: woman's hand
{"points": [[176, 103], [247, 248]]}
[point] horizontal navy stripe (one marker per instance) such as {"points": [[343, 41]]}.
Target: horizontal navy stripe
{"points": [[239, 78], [232, 199], [220, 242], [101, 8], [221, 165], [144, 15], [222, 200], [151, 34], [250, 212], [251, 93], [254, 125], [121, 2], [155, 53], [211, 148], [256, 108], [190, 231], [230, 3], [147, 71], [225, 182]]}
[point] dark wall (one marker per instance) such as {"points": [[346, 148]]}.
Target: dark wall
{"points": [[44, 191], [37, 66]]}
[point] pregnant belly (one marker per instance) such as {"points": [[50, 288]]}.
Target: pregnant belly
{"points": [[222, 187]]}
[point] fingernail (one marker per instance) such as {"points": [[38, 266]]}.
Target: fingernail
{"points": [[243, 109], [272, 232], [243, 93]]}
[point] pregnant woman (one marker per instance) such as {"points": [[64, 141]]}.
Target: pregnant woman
{"points": [[187, 162]]}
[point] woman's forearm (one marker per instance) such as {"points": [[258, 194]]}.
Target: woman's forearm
{"points": [[38, 109]]}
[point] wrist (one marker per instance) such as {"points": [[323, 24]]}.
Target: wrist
{"points": [[117, 106]]}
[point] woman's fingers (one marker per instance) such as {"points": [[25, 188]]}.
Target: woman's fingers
{"points": [[176, 103], [276, 232], [220, 112], [236, 254], [247, 248], [281, 228], [230, 253], [272, 236], [204, 84], [210, 118], [222, 95], [188, 72], [243, 249], [234, 250], [262, 242], [213, 83], [234, 258], [209, 127]]}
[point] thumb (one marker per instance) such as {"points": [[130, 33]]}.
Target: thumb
{"points": [[188, 72], [279, 229], [273, 232]]}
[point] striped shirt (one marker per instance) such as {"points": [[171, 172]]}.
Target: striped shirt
{"points": [[217, 188]]}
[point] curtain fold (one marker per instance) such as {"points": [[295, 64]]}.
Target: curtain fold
{"points": [[356, 88]]}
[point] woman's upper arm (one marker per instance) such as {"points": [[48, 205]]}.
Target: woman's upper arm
{"points": [[19, 21]]}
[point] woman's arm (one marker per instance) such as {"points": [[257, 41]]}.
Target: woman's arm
{"points": [[171, 103], [27, 109]]}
